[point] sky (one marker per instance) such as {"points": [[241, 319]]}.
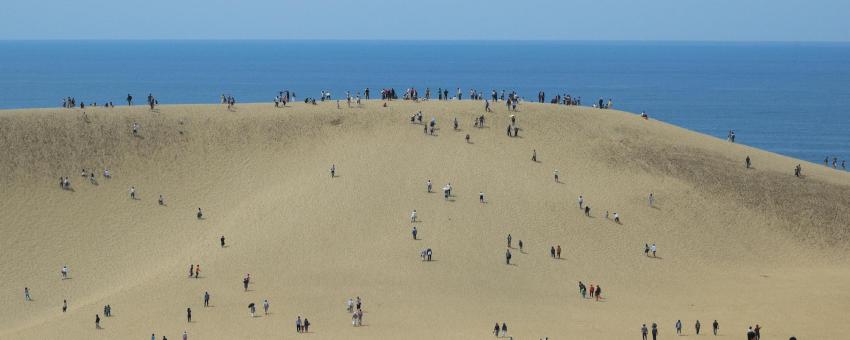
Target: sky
{"points": [[637, 20]]}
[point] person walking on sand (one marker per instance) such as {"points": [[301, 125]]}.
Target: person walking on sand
{"points": [[414, 232], [185, 335], [557, 178], [481, 197], [161, 200], [266, 307], [587, 210], [520, 245], [509, 240], [97, 321], [496, 330], [508, 257], [653, 249], [598, 292], [64, 272], [251, 309], [206, 299], [246, 280], [413, 216], [429, 185], [189, 315], [580, 202], [197, 270], [191, 270], [200, 214], [715, 327], [222, 241], [617, 218], [534, 155], [582, 289], [306, 325], [298, 324], [592, 290], [504, 329], [64, 305], [747, 161], [651, 199], [27, 296], [333, 170], [132, 193], [646, 249], [679, 327], [350, 305], [654, 331], [558, 251], [643, 331], [697, 326]]}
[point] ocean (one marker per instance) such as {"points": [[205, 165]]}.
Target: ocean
{"points": [[789, 98]]}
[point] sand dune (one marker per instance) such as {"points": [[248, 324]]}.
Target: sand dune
{"points": [[740, 246]]}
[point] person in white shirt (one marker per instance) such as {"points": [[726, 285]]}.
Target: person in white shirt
{"points": [[652, 249], [429, 185], [64, 272], [580, 202], [413, 216]]}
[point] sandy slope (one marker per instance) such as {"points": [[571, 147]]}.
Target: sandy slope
{"points": [[740, 246]]}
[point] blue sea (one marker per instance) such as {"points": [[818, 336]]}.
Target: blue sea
{"points": [[790, 98]]}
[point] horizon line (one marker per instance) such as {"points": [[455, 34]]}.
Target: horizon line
{"points": [[425, 40]]}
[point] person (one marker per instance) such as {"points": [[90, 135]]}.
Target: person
{"points": [[27, 296], [185, 335], [200, 214], [246, 280], [757, 330], [651, 199], [333, 170], [106, 173], [428, 254], [222, 241], [64, 305], [414, 232], [161, 200], [129, 100], [508, 257], [646, 249], [266, 307], [251, 309], [616, 218], [715, 327], [481, 197], [197, 270], [64, 272], [798, 170], [467, 138], [582, 289], [509, 240], [697, 326], [504, 329], [206, 299], [350, 305], [306, 325], [592, 290], [558, 251], [643, 331], [748, 162], [751, 335], [298, 324], [654, 331], [580, 202], [678, 327], [598, 292], [653, 249], [153, 336], [586, 210], [557, 179], [552, 251], [413, 216], [509, 130], [429, 185], [520, 245], [534, 155], [97, 321], [191, 270], [189, 314], [496, 330], [133, 193]]}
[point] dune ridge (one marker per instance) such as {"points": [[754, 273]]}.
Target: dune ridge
{"points": [[736, 245]]}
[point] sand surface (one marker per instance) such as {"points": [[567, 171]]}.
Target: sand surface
{"points": [[745, 247]]}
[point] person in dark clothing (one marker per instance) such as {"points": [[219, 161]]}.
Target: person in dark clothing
{"points": [[715, 327], [504, 329], [748, 162], [97, 321], [508, 257], [496, 330], [189, 314], [697, 326], [654, 331], [222, 241], [306, 325]]}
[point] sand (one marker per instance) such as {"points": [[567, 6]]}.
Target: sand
{"points": [[740, 246]]}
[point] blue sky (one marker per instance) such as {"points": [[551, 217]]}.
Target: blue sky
{"points": [[712, 20]]}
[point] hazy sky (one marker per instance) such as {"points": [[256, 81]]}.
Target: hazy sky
{"points": [[724, 20]]}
